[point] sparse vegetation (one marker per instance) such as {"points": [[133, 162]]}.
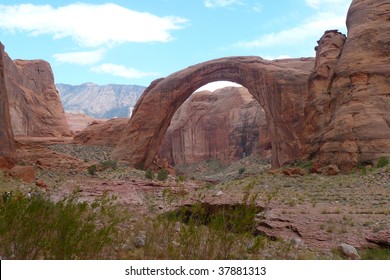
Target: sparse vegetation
{"points": [[162, 175], [149, 174], [92, 169], [68, 229], [382, 162]]}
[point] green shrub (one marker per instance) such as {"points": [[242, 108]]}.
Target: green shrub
{"points": [[181, 178], [376, 254], [382, 162], [149, 174], [39, 228], [110, 164], [92, 169], [241, 171], [162, 175]]}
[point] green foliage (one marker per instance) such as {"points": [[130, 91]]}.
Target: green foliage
{"points": [[382, 162], [68, 229], [376, 254], [92, 169], [241, 171], [110, 164], [162, 175], [181, 178], [149, 174]]}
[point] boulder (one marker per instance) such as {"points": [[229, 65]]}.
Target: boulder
{"points": [[349, 251], [24, 173]]}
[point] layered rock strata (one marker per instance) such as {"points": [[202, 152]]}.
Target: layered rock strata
{"points": [[7, 146], [35, 105], [279, 86], [355, 127], [224, 124]]}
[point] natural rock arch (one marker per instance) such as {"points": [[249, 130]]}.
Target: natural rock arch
{"points": [[279, 86]]}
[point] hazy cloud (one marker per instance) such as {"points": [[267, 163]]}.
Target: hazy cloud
{"points": [[121, 71], [89, 25], [221, 3], [82, 58]]}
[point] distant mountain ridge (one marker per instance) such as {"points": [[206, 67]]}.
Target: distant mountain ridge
{"points": [[106, 101]]}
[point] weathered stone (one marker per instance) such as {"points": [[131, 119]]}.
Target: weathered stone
{"points": [[24, 173], [227, 124], [381, 238], [352, 125], [349, 251], [102, 133], [35, 106], [279, 86], [294, 171], [7, 146], [332, 170]]}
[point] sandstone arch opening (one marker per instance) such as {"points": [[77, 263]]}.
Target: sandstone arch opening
{"points": [[221, 121], [279, 86]]}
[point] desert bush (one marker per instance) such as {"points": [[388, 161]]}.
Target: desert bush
{"points": [[92, 169], [382, 162], [149, 174], [39, 228], [241, 171], [110, 164], [162, 175]]}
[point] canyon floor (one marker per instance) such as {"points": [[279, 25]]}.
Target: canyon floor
{"points": [[297, 217]]}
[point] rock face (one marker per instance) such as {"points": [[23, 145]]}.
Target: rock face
{"points": [[108, 101], [78, 122], [7, 147], [279, 86], [35, 106], [224, 124], [351, 122], [102, 133]]}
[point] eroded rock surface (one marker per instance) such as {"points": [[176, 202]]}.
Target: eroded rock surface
{"points": [[7, 147], [353, 121], [227, 124], [102, 133], [279, 86], [35, 106]]}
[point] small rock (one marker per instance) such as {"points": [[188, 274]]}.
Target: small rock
{"points": [[218, 194], [294, 171], [140, 239], [332, 170], [40, 183], [349, 251]]}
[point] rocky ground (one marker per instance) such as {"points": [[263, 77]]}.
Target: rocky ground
{"points": [[315, 213]]}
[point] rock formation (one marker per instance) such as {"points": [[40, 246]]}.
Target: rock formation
{"points": [[353, 124], [78, 122], [7, 147], [279, 86], [102, 133], [223, 124], [35, 106]]}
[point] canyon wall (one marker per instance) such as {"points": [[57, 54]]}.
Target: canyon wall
{"points": [[224, 124], [35, 106]]}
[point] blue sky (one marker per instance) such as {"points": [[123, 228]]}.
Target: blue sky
{"points": [[135, 42]]}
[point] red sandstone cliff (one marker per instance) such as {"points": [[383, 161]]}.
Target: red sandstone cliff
{"points": [[353, 121], [226, 124], [35, 106], [7, 147]]}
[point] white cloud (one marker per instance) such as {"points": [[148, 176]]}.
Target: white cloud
{"points": [[217, 85], [321, 3], [82, 58], [298, 34], [121, 71], [89, 25], [221, 3]]}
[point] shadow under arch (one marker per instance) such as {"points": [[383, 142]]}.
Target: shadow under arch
{"points": [[279, 86]]}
